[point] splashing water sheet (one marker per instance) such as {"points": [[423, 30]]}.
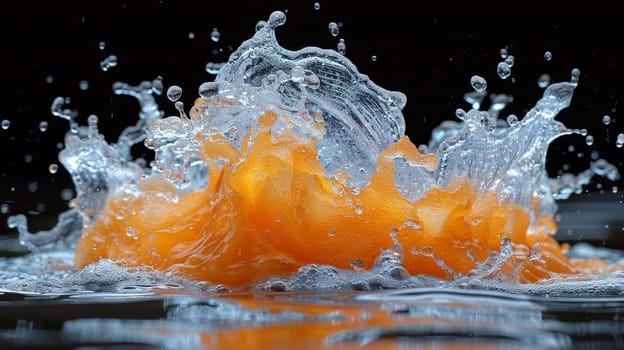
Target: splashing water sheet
{"points": [[279, 198]]}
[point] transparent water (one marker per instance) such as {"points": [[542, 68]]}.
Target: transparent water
{"points": [[48, 301]]}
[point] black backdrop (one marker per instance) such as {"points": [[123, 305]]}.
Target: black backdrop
{"points": [[427, 52]]}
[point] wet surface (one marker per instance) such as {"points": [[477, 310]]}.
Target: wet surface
{"points": [[414, 318]]}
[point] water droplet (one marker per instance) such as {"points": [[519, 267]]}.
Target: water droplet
{"points": [[510, 60], [503, 53], [331, 233], [191, 35], [215, 35], [341, 47], [174, 93], [512, 120], [606, 120], [67, 194], [460, 113], [83, 85], [317, 6], [157, 86], [575, 75], [53, 168], [43, 126], [5, 124], [101, 45], [4, 208], [589, 140], [503, 70], [548, 55], [108, 62], [49, 79], [33, 186], [208, 89], [260, 25], [619, 141], [478, 83], [334, 30], [213, 67], [373, 58], [543, 81], [28, 158], [276, 19]]}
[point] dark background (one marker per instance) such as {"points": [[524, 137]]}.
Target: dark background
{"points": [[428, 53]]}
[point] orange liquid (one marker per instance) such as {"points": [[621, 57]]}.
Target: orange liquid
{"points": [[270, 209]]}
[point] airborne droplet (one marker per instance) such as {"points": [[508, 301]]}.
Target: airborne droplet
{"points": [[174, 93], [53, 168], [503, 70], [543, 81], [334, 30], [478, 83], [215, 35]]}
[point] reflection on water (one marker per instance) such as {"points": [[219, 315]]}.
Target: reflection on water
{"points": [[437, 318]]}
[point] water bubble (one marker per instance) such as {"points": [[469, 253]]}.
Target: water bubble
{"points": [[28, 158], [606, 120], [101, 45], [619, 141], [43, 126], [108, 62], [543, 81], [548, 55], [317, 6], [260, 25], [503, 70], [191, 35], [213, 67], [5, 124], [341, 47], [575, 75], [53, 168], [373, 58], [215, 35], [503, 53], [83, 85], [589, 140], [4, 208], [132, 233], [208, 89], [49, 79], [512, 119], [334, 30], [174, 93], [478, 83]]}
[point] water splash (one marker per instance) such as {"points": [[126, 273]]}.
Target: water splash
{"points": [[353, 125]]}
